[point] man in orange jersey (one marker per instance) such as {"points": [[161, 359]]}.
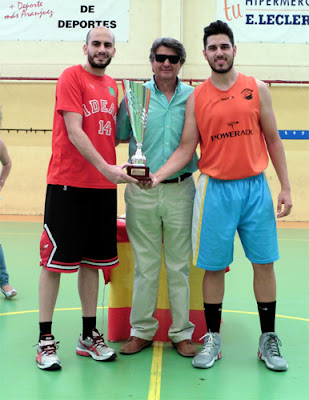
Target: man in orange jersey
{"points": [[80, 219], [232, 118]]}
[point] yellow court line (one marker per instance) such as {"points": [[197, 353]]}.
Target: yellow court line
{"points": [[106, 307], [255, 313], [56, 309], [155, 374]]}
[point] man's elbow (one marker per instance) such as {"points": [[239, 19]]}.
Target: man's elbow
{"points": [[7, 164]]}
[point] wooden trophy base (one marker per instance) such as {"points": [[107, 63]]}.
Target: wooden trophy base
{"points": [[140, 172]]}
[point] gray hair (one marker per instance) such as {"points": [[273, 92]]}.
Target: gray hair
{"points": [[171, 44]]}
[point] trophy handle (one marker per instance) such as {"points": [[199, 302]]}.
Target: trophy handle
{"points": [[137, 107], [137, 98]]}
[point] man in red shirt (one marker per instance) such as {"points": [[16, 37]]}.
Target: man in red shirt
{"points": [[80, 220]]}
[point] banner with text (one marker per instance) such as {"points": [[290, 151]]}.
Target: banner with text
{"points": [[62, 20], [272, 21]]}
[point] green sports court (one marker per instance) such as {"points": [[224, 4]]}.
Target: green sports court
{"points": [[159, 372]]}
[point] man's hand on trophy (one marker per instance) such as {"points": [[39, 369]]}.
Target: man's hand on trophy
{"points": [[115, 174], [154, 181], [145, 184]]}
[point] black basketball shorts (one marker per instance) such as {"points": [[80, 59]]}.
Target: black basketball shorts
{"points": [[80, 229]]}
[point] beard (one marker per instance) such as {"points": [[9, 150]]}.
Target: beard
{"points": [[98, 65], [222, 70]]}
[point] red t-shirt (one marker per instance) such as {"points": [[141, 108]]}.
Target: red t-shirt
{"points": [[232, 143], [96, 98]]}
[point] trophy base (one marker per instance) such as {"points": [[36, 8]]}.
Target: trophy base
{"points": [[140, 172]]}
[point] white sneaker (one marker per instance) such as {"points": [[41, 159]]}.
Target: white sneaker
{"points": [[46, 353], [95, 347], [269, 352], [210, 352]]}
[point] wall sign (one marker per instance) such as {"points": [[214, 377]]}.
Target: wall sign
{"points": [[62, 20], [272, 21]]}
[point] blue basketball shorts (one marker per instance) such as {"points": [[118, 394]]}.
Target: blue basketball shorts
{"points": [[222, 207]]}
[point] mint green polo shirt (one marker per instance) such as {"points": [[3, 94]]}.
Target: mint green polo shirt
{"points": [[164, 127]]}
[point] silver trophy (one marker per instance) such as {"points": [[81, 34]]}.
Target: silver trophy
{"points": [[137, 98]]}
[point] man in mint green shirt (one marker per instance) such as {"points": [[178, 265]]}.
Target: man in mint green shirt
{"points": [[164, 212]]}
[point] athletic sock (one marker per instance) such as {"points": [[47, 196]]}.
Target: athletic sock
{"points": [[213, 316], [89, 323], [267, 312], [45, 328]]}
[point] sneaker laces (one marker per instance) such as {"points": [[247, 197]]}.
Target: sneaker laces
{"points": [[98, 339], [48, 349], [209, 345], [272, 345]]}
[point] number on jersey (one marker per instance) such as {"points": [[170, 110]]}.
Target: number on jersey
{"points": [[105, 129]]}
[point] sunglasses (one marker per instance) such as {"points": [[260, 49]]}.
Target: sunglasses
{"points": [[162, 57]]}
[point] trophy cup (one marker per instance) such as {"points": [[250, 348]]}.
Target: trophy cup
{"points": [[137, 99]]}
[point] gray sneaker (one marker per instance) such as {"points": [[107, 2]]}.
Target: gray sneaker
{"points": [[46, 357], [211, 351], [95, 347], [269, 352]]}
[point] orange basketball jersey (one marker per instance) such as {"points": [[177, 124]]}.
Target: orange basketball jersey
{"points": [[232, 142]]}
